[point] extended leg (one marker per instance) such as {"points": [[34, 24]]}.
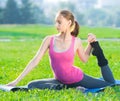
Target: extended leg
{"points": [[52, 84]]}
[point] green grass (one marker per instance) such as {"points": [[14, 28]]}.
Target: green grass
{"points": [[15, 55], [28, 31], [100, 32], [40, 31]]}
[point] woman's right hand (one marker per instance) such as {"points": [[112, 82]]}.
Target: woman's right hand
{"points": [[13, 83], [91, 38]]}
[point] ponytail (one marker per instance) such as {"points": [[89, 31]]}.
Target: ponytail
{"points": [[75, 29], [74, 24]]}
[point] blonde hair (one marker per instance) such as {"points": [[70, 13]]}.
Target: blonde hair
{"points": [[74, 25]]}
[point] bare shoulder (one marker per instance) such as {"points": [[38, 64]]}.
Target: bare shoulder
{"points": [[48, 38], [78, 41]]}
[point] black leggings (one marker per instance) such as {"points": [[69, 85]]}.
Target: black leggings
{"points": [[87, 81]]}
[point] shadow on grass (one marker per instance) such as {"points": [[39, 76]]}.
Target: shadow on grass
{"points": [[17, 35]]}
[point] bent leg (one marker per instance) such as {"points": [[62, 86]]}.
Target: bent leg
{"points": [[46, 84], [102, 62], [98, 52], [107, 74], [90, 82]]}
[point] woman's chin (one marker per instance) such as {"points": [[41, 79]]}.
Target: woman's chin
{"points": [[59, 31]]}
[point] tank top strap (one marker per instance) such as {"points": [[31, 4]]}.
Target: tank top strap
{"points": [[51, 41], [71, 46]]}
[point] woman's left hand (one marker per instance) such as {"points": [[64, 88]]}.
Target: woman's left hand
{"points": [[91, 38]]}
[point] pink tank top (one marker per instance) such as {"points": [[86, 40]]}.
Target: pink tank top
{"points": [[62, 64]]}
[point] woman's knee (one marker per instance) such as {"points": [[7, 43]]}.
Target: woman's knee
{"points": [[31, 85], [112, 82]]}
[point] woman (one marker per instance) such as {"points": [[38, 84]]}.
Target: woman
{"points": [[62, 48]]}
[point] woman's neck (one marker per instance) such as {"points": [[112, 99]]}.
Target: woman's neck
{"points": [[65, 36]]}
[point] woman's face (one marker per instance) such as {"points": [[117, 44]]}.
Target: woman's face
{"points": [[61, 23]]}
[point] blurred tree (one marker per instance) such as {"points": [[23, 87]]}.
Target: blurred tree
{"points": [[1, 15], [27, 12], [11, 13], [84, 4], [77, 14], [96, 17], [117, 23], [80, 18], [39, 15], [110, 20]]}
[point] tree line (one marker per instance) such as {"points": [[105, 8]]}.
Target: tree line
{"points": [[28, 13]]}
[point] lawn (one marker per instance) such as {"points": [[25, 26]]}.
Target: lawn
{"points": [[24, 43], [40, 31]]}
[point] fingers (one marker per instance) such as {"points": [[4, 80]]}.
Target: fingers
{"points": [[91, 38]]}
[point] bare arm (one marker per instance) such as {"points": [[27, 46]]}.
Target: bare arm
{"points": [[34, 62], [84, 54]]}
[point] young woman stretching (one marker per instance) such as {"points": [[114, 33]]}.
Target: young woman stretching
{"points": [[62, 49]]}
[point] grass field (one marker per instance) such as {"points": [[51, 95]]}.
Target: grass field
{"points": [[24, 43], [40, 31]]}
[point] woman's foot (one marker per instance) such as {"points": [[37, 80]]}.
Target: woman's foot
{"points": [[98, 52]]}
